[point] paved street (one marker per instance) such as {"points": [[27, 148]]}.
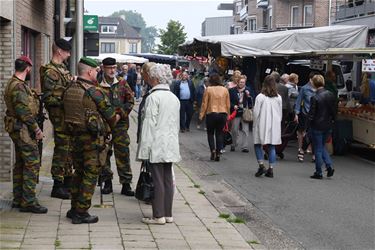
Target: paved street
{"points": [[197, 223], [292, 210]]}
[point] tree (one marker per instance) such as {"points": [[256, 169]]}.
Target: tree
{"points": [[135, 19], [170, 38]]}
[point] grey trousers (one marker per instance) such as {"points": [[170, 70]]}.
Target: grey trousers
{"points": [[163, 188], [240, 135]]}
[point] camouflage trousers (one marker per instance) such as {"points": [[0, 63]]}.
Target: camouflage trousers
{"points": [[26, 170], [120, 142], [86, 170], [62, 156]]}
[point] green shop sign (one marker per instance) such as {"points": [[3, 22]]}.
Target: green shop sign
{"points": [[90, 23]]}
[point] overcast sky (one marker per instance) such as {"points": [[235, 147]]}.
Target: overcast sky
{"points": [[190, 13]]}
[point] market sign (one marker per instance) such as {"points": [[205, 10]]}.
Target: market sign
{"points": [[368, 65], [90, 22]]}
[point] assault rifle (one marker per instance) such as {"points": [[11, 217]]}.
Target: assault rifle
{"points": [[41, 117]]}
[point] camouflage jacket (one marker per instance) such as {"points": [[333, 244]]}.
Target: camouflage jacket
{"points": [[101, 101], [22, 102], [121, 97], [55, 78]]}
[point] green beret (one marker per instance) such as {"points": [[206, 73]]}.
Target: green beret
{"points": [[89, 61]]}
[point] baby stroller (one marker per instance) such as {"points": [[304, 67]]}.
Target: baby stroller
{"points": [[288, 133]]}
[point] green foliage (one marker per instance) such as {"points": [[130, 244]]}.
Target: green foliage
{"points": [[197, 186], [201, 192], [224, 215], [170, 38], [236, 220], [57, 243], [252, 242], [135, 19]]}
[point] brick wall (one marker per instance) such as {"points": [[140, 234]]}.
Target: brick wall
{"points": [[6, 66], [321, 11], [37, 16]]}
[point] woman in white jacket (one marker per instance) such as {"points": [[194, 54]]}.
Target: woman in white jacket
{"points": [[267, 116], [158, 143]]}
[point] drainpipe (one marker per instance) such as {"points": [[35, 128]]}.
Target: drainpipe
{"points": [[57, 18], [329, 12], [79, 29]]}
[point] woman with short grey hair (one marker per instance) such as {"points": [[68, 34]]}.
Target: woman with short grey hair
{"points": [[158, 143]]}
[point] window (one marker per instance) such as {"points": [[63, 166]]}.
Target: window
{"points": [[307, 15], [28, 48], [132, 48], [107, 48], [294, 16], [110, 29], [252, 24], [238, 7]]}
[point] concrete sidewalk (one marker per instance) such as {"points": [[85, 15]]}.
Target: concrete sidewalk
{"points": [[197, 223]]}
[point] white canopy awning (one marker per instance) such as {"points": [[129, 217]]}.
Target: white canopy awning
{"points": [[289, 42], [121, 58]]}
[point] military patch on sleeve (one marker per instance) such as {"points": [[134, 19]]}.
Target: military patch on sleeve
{"points": [[52, 74]]}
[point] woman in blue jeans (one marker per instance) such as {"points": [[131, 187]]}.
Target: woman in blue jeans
{"points": [[322, 114], [267, 114]]}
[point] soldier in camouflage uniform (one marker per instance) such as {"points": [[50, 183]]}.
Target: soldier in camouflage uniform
{"points": [[88, 118], [55, 77], [20, 122], [122, 99]]}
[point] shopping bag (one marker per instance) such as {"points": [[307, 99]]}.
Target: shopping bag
{"points": [[145, 186], [247, 115]]}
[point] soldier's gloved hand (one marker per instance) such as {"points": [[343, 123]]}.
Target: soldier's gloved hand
{"points": [[38, 134]]}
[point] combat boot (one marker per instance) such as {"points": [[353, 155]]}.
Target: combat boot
{"points": [[36, 209], [79, 218], [127, 190], [68, 183], [58, 191], [107, 189]]}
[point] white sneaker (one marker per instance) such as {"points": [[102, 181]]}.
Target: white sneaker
{"points": [[156, 221], [169, 219], [198, 127]]}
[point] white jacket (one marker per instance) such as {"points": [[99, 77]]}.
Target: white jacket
{"points": [[160, 127], [267, 114]]}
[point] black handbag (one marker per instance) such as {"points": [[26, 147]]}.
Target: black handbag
{"points": [[145, 186], [227, 135]]}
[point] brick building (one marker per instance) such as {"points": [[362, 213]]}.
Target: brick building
{"points": [[271, 15], [26, 28]]}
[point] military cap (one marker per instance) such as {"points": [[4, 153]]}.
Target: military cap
{"points": [[89, 61], [63, 44], [26, 60], [109, 61]]}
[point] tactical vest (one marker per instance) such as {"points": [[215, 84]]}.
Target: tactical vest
{"points": [[80, 111], [33, 101], [63, 76]]}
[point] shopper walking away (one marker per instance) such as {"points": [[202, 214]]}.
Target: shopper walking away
{"points": [[267, 125], [321, 117], [216, 108]]}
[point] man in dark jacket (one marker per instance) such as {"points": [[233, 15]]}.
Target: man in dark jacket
{"points": [[185, 92], [283, 91], [132, 76], [322, 114]]}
